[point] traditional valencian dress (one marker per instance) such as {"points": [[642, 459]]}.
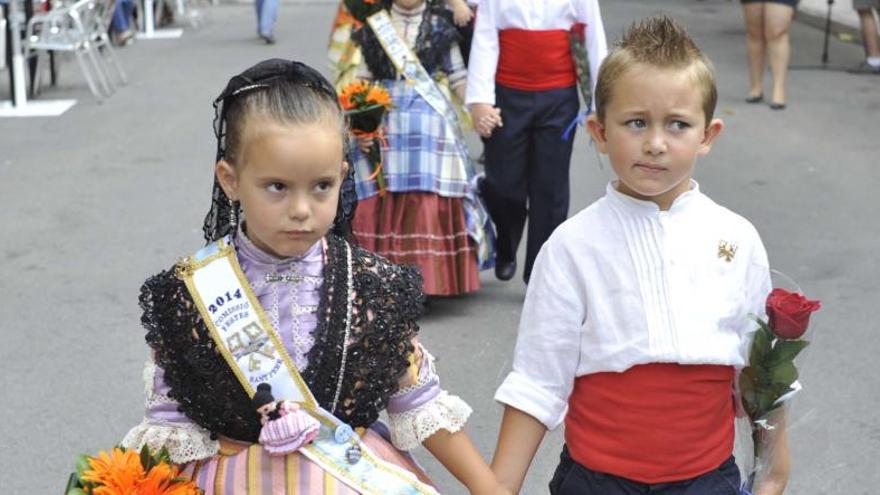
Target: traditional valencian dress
{"points": [[430, 214], [346, 320]]}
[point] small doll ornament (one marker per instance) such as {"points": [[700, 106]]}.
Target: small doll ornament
{"points": [[286, 425]]}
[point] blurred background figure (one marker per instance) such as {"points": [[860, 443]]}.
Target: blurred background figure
{"points": [[767, 24], [267, 12], [866, 10], [122, 29]]}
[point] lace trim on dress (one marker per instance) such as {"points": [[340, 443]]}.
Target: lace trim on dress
{"points": [[410, 428], [185, 442]]}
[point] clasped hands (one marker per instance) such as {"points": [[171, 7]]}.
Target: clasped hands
{"points": [[486, 118]]}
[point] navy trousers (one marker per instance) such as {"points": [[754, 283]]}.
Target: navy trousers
{"points": [[527, 164], [573, 479]]}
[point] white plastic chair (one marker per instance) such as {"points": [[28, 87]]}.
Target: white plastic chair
{"points": [[70, 28], [99, 33]]}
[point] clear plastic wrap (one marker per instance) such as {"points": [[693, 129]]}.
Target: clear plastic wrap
{"points": [[767, 386]]}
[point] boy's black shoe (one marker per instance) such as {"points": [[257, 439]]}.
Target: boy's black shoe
{"points": [[505, 270]]}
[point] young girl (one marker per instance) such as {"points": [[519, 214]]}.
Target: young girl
{"points": [[345, 56], [637, 316], [430, 214], [280, 297]]}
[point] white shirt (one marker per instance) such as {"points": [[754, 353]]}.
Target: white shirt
{"points": [[622, 283], [496, 15]]}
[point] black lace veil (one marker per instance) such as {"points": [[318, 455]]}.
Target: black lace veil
{"points": [[223, 217]]}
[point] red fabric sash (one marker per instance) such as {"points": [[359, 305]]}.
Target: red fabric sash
{"points": [[653, 423], [535, 60]]}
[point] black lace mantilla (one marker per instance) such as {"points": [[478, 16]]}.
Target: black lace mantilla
{"points": [[436, 35], [387, 301]]}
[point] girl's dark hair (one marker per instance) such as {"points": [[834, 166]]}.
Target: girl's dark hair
{"points": [[285, 91]]}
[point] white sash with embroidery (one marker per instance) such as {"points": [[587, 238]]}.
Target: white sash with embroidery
{"points": [[407, 64], [254, 351]]}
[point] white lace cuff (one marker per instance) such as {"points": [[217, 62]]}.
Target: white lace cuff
{"points": [[185, 442], [410, 428]]}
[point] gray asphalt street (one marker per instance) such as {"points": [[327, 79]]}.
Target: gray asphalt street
{"points": [[98, 199]]}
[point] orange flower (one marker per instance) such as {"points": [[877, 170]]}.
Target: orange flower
{"points": [[355, 87], [118, 472], [377, 95], [160, 481], [121, 473], [371, 2], [345, 101]]}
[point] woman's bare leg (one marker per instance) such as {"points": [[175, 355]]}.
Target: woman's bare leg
{"points": [[753, 14], [777, 20]]}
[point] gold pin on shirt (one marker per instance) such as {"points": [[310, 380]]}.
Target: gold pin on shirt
{"points": [[726, 250]]}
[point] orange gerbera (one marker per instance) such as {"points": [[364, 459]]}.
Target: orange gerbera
{"points": [[345, 101], [160, 481], [117, 472], [377, 95], [355, 88], [121, 473]]}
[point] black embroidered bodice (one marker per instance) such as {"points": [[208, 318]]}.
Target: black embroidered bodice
{"points": [[436, 35], [387, 301]]}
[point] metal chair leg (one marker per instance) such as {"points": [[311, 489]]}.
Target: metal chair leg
{"points": [[114, 61], [99, 71], [38, 75], [84, 67]]}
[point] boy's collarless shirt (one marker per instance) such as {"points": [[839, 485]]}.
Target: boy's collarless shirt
{"points": [[533, 15], [622, 283]]}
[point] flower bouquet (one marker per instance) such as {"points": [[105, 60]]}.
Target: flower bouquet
{"points": [[771, 378], [365, 105], [124, 472]]}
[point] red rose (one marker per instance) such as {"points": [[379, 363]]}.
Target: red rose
{"points": [[789, 313]]}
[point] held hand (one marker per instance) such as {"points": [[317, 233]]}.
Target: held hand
{"points": [[461, 13], [486, 118], [498, 489], [771, 486]]}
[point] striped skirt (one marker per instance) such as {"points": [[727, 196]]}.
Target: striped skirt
{"points": [[423, 229], [247, 469]]}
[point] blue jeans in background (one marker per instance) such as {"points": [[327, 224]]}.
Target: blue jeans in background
{"points": [[122, 16], [267, 11]]}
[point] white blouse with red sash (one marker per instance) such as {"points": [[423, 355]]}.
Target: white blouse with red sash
{"points": [[523, 44]]}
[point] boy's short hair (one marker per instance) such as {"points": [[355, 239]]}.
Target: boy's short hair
{"points": [[663, 43]]}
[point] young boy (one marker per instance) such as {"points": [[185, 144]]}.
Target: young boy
{"points": [[636, 319], [522, 94]]}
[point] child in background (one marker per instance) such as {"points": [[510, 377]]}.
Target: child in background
{"points": [[522, 94], [331, 326], [635, 324], [430, 215], [267, 13]]}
